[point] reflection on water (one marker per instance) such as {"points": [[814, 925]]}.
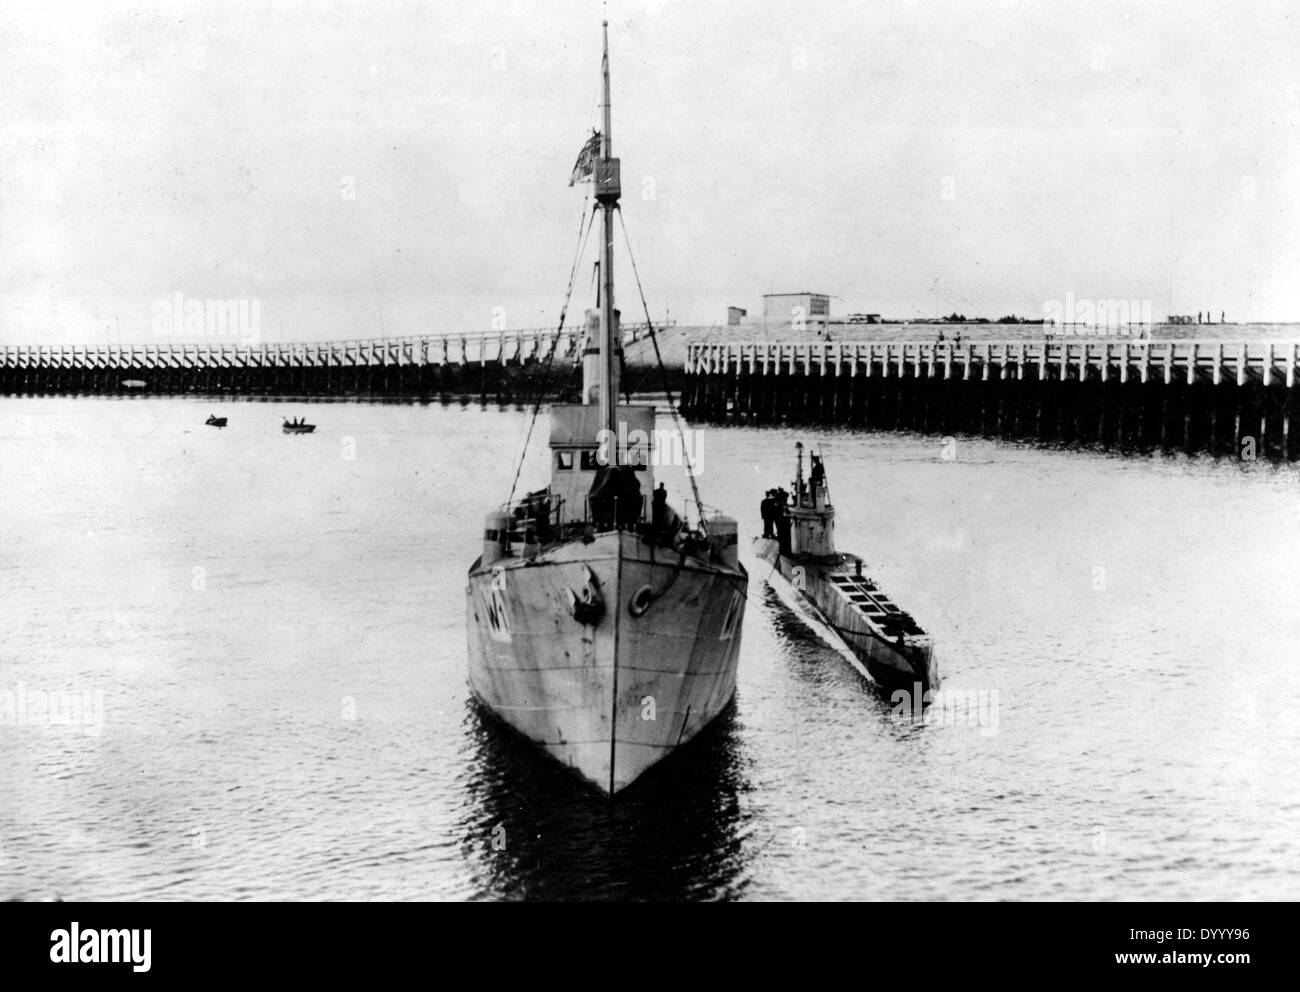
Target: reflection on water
{"points": [[536, 831], [277, 628]]}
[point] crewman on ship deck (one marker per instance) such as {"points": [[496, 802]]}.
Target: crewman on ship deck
{"points": [[782, 521], [659, 509]]}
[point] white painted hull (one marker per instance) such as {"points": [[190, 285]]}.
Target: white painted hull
{"points": [[613, 698]]}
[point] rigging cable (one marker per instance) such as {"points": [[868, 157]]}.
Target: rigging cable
{"points": [[663, 372], [583, 234]]}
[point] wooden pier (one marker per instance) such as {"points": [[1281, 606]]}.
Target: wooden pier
{"points": [[485, 364], [1223, 397]]}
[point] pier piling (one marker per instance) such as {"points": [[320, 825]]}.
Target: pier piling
{"points": [[1222, 398]]}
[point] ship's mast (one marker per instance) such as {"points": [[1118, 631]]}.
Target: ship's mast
{"points": [[607, 194]]}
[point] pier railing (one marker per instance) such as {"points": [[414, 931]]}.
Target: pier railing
{"points": [[1078, 359], [500, 347]]}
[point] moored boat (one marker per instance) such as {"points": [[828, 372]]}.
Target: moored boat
{"points": [[849, 609], [298, 426], [215, 421], [605, 630]]}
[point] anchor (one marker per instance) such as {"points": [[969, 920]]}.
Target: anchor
{"points": [[588, 606]]}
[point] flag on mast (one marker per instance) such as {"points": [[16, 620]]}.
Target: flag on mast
{"points": [[586, 164]]}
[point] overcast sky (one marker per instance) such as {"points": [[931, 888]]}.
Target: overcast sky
{"points": [[1014, 152]]}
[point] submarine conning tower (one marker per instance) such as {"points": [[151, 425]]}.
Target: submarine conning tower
{"points": [[812, 517]]}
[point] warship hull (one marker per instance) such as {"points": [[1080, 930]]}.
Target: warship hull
{"points": [[650, 663], [848, 611]]}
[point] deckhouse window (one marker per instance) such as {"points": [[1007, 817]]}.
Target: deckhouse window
{"points": [[564, 460]]}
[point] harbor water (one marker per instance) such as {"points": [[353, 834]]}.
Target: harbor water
{"points": [[232, 666]]}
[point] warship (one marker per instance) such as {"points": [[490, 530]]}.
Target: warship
{"points": [[603, 628], [847, 608]]}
